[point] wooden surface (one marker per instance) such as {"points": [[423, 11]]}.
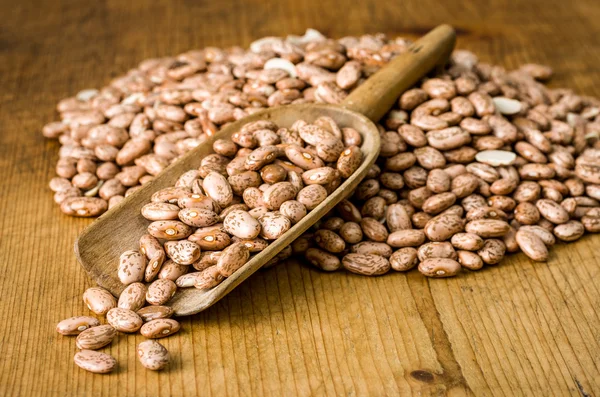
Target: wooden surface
{"points": [[516, 329]]}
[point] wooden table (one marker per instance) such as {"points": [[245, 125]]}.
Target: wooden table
{"points": [[521, 328]]}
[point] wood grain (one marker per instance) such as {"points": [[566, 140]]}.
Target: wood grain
{"points": [[521, 328]]}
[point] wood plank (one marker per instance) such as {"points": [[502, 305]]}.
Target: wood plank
{"points": [[521, 328]]}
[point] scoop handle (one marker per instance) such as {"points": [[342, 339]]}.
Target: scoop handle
{"points": [[377, 95]]}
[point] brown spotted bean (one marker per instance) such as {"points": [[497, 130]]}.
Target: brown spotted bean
{"points": [[99, 300], [132, 266], [469, 260], [232, 258], [160, 291], [96, 337], [404, 259], [76, 325], [124, 320], [153, 355], [322, 259], [133, 297], [366, 264], [95, 362], [439, 267], [492, 252], [150, 313], [160, 328], [532, 245]]}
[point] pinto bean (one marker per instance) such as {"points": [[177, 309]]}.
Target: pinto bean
{"points": [[329, 241], [436, 250], [527, 213], [552, 211], [322, 259], [439, 267], [570, 231], [443, 227], [233, 258], [467, 241], [404, 259], [366, 264], [470, 260], [373, 230], [487, 227], [406, 238], [492, 252], [532, 245]]}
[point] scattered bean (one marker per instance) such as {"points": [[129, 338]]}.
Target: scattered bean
{"points": [[76, 325], [96, 362], [153, 355]]}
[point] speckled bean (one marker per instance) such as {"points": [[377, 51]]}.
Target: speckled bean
{"points": [[241, 224], [366, 264], [469, 260], [182, 252], [160, 328], [406, 238], [83, 206], [404, 259], [169, 230], [160, 291], [209, 278], [99, 300], [133, 297], [532, 245], [439, 267], [76, 325], [329, 241], [487, 228], [311, 196], [96, 337], [467, 241], [443, 227], [492, 252], [150, 313], [124, 320], [552, 211], [153, 355], [275, 195], [569, 231], [218, 188], [322, 259], [95, 362], [436, 250], [273, 225], [233, 258], [132, 266]]}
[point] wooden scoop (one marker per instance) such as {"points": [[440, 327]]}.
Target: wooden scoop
{"points": [[99, 246]]}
